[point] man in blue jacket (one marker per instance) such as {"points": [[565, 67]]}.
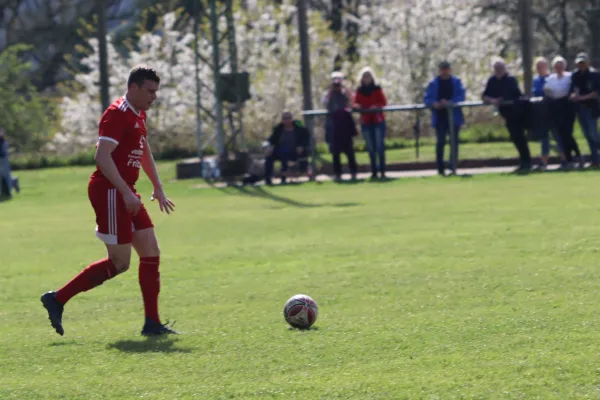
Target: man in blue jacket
{"points": [[502, 87], [443, 91]]}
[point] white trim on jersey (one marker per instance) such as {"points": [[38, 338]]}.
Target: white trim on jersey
{"points": [[112, 212], [126, 104], [109, 139]]}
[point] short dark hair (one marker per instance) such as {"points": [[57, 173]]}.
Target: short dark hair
{"points": [[141, 73]]}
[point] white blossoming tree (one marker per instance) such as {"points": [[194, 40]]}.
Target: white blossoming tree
{"points": [[403, 40], [267, 41]]}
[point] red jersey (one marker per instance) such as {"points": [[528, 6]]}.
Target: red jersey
{"points": [[123, 125]]}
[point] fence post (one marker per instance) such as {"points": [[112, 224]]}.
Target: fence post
{"points": [[453, 138], [417, 133]]}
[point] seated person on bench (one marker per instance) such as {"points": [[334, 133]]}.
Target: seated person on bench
{"points": [[288, 143]]}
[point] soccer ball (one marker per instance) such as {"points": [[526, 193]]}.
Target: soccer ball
{"points": [[301, 311]]}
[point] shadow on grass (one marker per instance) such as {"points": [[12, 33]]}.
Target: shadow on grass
{"points": [[65, 343], [552, 171], [260, 192], [387, 179], [5, 198], [149, 345], [312, 328]]}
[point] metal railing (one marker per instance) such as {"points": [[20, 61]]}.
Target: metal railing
{"points": [[413, 107]]}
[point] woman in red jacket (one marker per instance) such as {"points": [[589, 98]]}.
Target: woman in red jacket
{"points": [[369, 95]]}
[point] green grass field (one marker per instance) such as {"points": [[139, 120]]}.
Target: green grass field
{"points": [[467, 151], [456, 288]]}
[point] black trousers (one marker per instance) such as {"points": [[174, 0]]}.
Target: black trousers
{"points": [[5, 187], [517, 135], [337, 162], [562, 120]]}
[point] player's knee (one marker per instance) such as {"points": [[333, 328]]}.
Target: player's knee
{"points": [[152, 249], [120, 264]]}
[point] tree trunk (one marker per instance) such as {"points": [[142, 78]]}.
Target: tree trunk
{"points": [[564, 28], [594, 37], [103, 54], [526, 43]]}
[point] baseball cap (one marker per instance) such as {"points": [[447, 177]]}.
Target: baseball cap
{"points": [[581, 57], [444, 65]]}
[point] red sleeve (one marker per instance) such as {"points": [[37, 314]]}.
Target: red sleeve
{"points": [[112, 126], [381, 98]]}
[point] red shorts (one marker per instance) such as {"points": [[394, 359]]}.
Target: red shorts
{"points": [[115, 225]]}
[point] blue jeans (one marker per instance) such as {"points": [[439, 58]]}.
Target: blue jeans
{"points": [[442, 132], [545, 143], [374, 135], [589, 126]]}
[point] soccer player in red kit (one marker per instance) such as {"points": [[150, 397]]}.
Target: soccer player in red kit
{"points": [[121, 218]]}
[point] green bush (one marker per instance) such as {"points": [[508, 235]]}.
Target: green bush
{"points": [[24, 113]]}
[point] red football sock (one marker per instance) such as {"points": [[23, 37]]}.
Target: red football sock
{"points": [[89, 278], [149, 278]]}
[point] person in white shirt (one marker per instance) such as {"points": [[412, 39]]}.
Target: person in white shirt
{"points": [[561, 109]]}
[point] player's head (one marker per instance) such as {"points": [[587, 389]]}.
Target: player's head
{"points": [[142, 86]]}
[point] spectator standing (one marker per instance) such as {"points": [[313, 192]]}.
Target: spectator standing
{"points": [[502, 87], [288, 142], [369, 95], [441, 93], [342, 141], [584, 93], [340, 128], [542, 133], [337, 97], [561, 110]]}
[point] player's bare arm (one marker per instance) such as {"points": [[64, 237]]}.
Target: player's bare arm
{"points": [[109, 169], [149, 167]]}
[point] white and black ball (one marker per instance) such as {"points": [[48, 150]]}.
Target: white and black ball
{"points": [[301, 311]]}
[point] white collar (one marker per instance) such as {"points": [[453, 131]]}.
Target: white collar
{"points": [[136, 112]]}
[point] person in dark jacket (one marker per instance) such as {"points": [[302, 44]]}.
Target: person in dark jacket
{"points": [[443, 90], [337, 97], [343, 130], [585, 87], [289, 142], [369, 95], [503, 87]]}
